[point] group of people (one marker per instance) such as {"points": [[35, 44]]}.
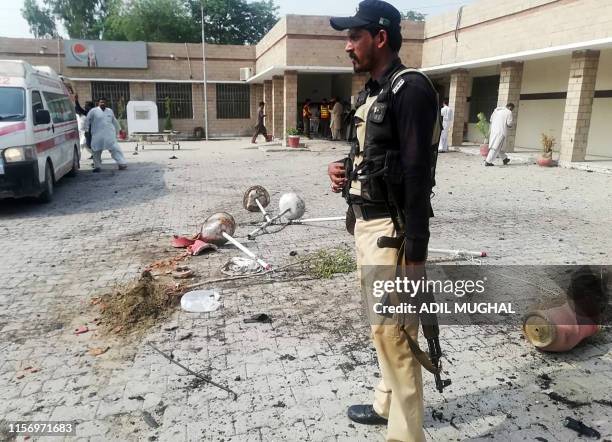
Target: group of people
{"points": [[325, 121], [501, 121], [98, 129]]}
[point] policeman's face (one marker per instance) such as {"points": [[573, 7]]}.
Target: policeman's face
{"points": [[102, 104], [362, 49]]}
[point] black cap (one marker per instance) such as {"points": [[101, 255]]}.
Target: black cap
{"points": [[370, 12]]}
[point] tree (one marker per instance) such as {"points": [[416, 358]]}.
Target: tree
{"points": [[413, 15], [153, 20], [84, 19], [178, 21], [236, 21], [40, 20]]}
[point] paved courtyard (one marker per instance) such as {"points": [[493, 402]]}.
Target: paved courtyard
{"points": [[296, 376]]}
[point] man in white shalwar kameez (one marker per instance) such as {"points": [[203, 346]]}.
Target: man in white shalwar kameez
{"points": [[103, 125], [447, 118], [501, 121]]}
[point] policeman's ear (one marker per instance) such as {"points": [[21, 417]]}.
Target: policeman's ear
{"points": [[382, 39]]}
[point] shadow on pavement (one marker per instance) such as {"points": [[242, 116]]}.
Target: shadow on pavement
{"points": [[92, 192]]}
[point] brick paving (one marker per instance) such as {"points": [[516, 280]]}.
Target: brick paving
{"points": [[296, 376]]}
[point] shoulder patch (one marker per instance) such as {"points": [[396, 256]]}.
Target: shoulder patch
{"points": [[398, 86]]}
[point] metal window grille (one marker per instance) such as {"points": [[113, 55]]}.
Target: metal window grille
{"points": [[114, 92], [181, 104], [484, 96], [233, 101]]}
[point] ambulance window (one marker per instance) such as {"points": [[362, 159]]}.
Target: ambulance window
{"points": [[60, 107], [12, 106], [37, 103]]}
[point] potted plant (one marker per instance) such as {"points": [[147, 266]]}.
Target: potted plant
{"points": [[121, 116], [484, 128], [167, 109], [546, 159], [293, 137]]}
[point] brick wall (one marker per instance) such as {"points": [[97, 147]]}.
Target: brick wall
{"points": [[495, 28]]}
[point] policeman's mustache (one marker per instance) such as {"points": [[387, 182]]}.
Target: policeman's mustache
{"points": [[352, 56]]}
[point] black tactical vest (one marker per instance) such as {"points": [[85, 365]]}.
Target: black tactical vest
{"points": [[381, 164]]}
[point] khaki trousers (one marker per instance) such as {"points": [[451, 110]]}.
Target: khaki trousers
{"points": [[399, 394]]}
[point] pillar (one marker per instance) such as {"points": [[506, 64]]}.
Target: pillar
{"points": [[268, 100], [579, 106], [290, 101], [510, 79], [278, 110], [457, 100]]}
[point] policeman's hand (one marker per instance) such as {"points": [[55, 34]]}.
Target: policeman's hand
{"points": [[336, 174]]}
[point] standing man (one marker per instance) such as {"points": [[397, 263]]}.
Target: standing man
{"points": [[306, 115], [84, 136], [396, 118], [447, 119], [501, 121], [325, 119], [260, 128], [336, 124], [103, 125]]}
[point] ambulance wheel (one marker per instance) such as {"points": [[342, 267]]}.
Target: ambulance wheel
{"points": [[76, 163], [47, 194]]}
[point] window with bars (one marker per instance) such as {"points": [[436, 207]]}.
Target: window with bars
{"points": [[116, 93], [181, 104], [233, 101]]}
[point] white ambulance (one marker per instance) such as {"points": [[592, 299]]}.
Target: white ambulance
{"points": [[39, 137]]}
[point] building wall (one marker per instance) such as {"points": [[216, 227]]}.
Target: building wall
{"points": [[491, 29], [535, 117], [272, 49], [600, 141], [223, 62], [311, 41]]}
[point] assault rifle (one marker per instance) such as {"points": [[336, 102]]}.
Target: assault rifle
{"points": [[429, 321]]}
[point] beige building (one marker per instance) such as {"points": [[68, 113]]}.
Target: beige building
{"points": [[552, 58]]}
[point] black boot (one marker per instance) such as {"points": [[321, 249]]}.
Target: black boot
{"points": [[365, 414]]}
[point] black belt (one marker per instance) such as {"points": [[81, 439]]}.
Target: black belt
{"points": [[367, 212]]}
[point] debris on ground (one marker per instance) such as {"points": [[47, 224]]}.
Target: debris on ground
{"points": [[199, 247], [200, 301], [137, 305], [544, 381], [569, 403], [82, 329], [150, 420], [580, 428], [97, 351], [185, 336], [327, 263], [261, 318], [202, 378], [182, 272], [241, 266], [166, 265]]}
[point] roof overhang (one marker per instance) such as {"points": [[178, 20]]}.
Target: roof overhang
{"points": [[148, 80], [280, 70], [551, 51]]}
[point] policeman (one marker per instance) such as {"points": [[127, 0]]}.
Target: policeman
{"points": [[396, 124]]}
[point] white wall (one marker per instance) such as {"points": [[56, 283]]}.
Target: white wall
{"points": [[536, 117], [546, 75]]}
